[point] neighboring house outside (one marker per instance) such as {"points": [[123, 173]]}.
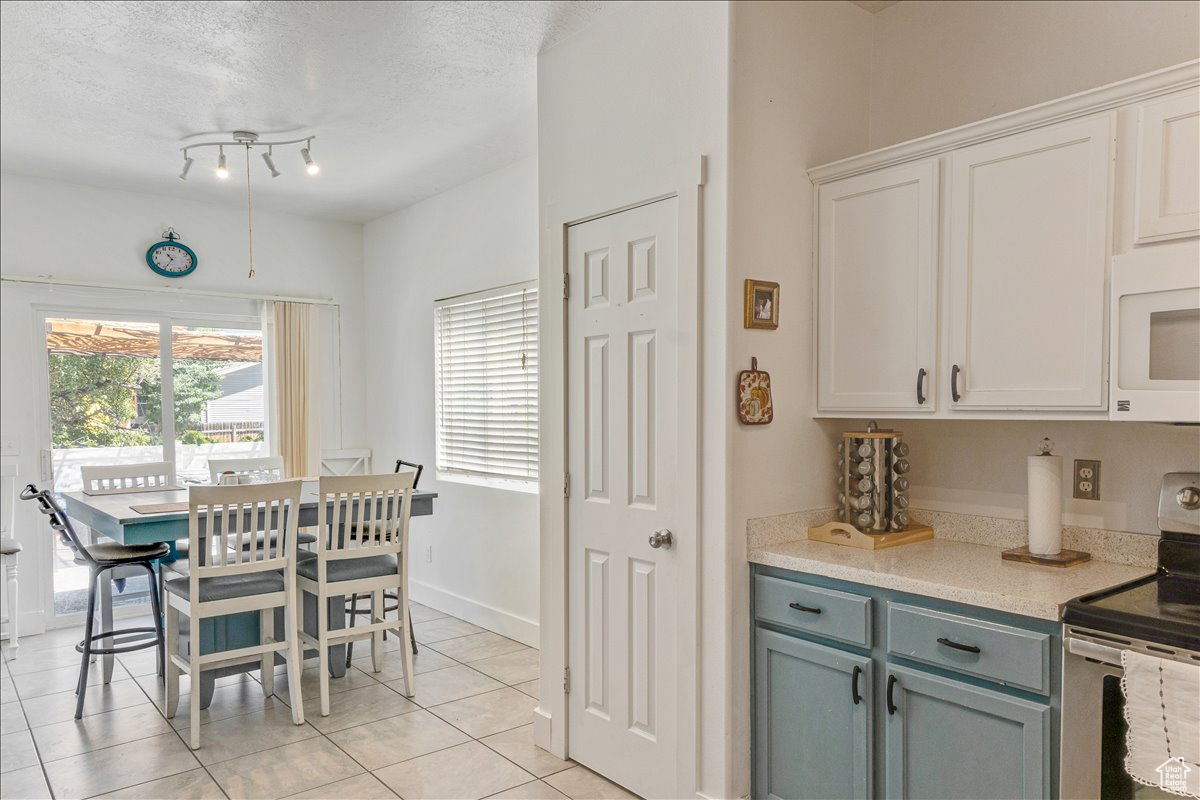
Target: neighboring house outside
{"points": [[242, 399]]}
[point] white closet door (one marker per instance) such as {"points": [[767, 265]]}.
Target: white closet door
{"points": [[877, 290], [624, 437], [1029, 242]]}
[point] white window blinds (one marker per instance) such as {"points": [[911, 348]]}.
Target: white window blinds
{"points": [[486, 361]]}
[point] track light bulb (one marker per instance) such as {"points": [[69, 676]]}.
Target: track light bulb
{"points": [[309, 165], [187, 165], [222, 170], [270, 164]]}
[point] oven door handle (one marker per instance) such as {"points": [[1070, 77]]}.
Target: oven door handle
{"points": [[1096, 652]]}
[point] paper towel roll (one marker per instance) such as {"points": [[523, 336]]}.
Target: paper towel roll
{"points": [[1045, 504]]}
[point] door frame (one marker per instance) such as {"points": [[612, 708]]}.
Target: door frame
{"points": [[550, 717], [120, 311]]}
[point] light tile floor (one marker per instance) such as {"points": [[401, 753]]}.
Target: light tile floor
{"points": [[467, 733]]}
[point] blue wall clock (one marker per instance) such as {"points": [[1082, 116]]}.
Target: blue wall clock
{"points": [[170, 258]]}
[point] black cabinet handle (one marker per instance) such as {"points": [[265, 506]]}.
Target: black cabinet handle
{"points": [[805, 609], [966, 648], [854, 686], [891, 702], [921, 386], [954, 370]]}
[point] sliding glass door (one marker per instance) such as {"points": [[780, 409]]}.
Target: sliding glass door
{"points": [[127, 390]]}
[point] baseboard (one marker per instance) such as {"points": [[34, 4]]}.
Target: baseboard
{"points": [[523, 630]]}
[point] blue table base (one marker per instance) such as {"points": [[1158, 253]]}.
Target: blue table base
{"points": [[242, 630]]}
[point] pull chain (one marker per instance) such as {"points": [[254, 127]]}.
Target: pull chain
{"points": [[249, 215]]}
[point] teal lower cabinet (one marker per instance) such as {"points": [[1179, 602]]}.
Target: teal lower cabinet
{"points": [[813, 713], [948, 739], [866, 693]]}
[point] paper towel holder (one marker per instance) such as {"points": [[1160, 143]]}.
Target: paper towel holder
{"points": [[1064, 557]]}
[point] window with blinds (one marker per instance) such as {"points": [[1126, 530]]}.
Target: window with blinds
{"points": [[486, 362]]}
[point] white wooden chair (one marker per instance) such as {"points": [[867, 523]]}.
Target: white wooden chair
{"points": [[9, 550], [262, 468], [362, 546], [226, 577], [153, 476], [346, 462]]}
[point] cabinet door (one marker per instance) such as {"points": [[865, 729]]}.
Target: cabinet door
{"points": [[812, 740], [948, 739], [1027, 264], [1168, 173], [877, 290]]}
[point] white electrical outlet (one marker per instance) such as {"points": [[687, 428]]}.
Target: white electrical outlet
{"points": [[429, 554], [1086, 480]]}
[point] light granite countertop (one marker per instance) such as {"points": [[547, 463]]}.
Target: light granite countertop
{"points": [[961, 572]]}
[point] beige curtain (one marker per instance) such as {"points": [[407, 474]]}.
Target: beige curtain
{"points": [[293, 359]]}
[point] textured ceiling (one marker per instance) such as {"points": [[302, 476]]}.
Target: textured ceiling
{"points": [[406, 99]]}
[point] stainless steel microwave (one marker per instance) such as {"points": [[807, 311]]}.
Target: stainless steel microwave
{"points": [[1154, 355]]}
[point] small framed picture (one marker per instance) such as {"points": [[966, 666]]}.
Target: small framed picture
{"points": [[762, 304]]}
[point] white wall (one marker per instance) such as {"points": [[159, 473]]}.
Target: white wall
{"points": [[942, 64], [88, 234], [979, 467], [798, 97], [477, 236], [622, 106]]}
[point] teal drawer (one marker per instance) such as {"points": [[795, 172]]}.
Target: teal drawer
{"points": [[1001, 653], [837, 615]]}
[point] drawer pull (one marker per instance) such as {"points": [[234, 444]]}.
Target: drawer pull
{"points": [[805, 609], [966, 648], [891, 702], [854, 686]]}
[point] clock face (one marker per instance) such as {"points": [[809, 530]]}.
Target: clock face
{"points": [[171, 259]]}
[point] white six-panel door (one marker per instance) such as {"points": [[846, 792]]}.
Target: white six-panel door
{"points": [[622, 354]]}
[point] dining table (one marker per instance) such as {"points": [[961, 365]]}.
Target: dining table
{"points": [[150, 517]]}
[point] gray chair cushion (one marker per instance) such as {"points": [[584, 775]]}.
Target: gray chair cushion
{"points": [[116, 553], [349, 569], [9, 547], [229, 586]]}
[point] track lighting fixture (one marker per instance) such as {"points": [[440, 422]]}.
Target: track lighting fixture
{"points": [[249, 140], [187, 165], [270, 163]]}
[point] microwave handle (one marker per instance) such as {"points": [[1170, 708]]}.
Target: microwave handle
{"points": [[1096, 652]]}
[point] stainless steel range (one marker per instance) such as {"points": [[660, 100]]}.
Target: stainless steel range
{"points": [[1158, 615]]}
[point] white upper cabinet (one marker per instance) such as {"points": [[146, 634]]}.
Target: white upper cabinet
{"points": [[966, 274], [1168, 168], [1027, 260], [877, 290]]}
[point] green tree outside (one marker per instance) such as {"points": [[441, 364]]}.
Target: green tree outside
{"points": [[94, 399]]}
